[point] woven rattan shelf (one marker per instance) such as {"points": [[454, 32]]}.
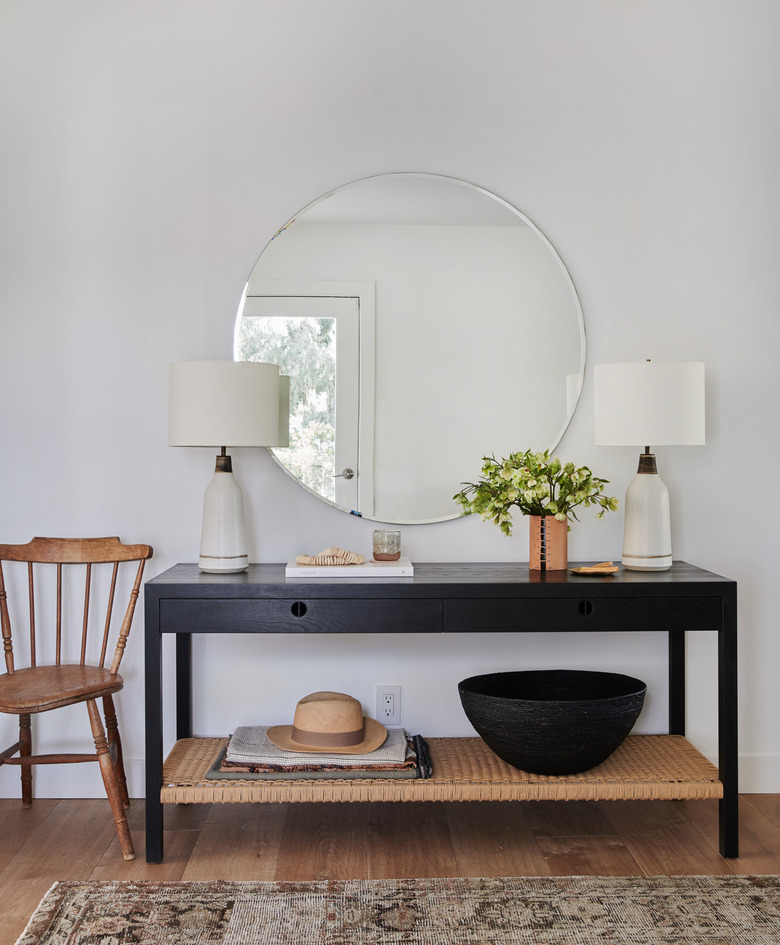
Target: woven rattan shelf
{"points": [[646, 767]]}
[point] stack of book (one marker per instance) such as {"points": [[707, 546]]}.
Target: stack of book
{"points": [[249, 754]]}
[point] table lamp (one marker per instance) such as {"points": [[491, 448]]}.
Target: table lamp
{"points": [[641, 403], [221, 404]]}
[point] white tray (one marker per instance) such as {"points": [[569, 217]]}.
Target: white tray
{"points": [[401, 568]]}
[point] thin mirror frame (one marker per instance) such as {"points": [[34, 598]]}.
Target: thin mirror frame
{"points": [[527, 222]]}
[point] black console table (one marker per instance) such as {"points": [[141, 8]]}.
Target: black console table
{"points": [[444, 598]]}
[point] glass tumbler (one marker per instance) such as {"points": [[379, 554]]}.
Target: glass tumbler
{"points": [[387, 544]]}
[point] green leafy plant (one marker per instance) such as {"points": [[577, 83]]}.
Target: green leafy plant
{"points": [[536, 484]]}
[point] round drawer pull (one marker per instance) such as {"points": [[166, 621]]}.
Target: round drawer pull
{"points": [[298, 608], [585, 607]]}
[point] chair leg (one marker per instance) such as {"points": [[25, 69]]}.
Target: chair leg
{"points": [[110, 782], [25, 750], [115, 747]]}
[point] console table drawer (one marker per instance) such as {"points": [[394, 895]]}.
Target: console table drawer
{"points": [[301, 616], [581, 613]]}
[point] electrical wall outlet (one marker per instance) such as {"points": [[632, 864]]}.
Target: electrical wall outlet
{"points": [[388, 705]]}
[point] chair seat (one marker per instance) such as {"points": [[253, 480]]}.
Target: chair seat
{"points": [[39, 688]]}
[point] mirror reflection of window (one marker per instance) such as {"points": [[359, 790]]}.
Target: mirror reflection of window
{"points": [[304, 349], [315, 341]]}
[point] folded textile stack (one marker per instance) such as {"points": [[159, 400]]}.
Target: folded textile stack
{"points": [[250, 754]]}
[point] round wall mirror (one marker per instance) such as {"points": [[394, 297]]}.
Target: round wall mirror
{"points": [[424, 323]]}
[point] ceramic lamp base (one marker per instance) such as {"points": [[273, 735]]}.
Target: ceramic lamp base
{"points": [[223, 539], [647, 540]]}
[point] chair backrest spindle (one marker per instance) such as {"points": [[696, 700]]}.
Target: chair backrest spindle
{"points": [[109, 612], [85, 623], [58, 638], [5, 625], [126, 623], [31, 610]]}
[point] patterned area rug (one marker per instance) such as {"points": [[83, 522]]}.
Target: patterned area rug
{"points": [[585, 910]]}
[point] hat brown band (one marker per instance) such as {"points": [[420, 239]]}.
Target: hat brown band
{"points": [[326, 739]]}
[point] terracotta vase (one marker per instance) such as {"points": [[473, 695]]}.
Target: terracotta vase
{"points": [[548, 543]]}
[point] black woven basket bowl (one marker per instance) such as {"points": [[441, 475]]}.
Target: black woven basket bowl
{"points": [[553, 721]]}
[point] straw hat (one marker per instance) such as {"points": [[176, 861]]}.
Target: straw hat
{"points": [[329, 722]]}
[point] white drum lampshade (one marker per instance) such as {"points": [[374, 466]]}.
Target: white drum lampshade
{"points": [[221, 404], [648, 403]]}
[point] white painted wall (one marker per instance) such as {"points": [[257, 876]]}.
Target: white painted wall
{"points": [[151, 149]]}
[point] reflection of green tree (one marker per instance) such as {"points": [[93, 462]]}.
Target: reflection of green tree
{"points": [[305, 349]]}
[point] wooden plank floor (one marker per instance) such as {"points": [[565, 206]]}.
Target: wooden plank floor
{"points": [[75, 839]]}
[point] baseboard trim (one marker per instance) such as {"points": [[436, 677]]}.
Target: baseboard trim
{"points": [[759, 774]]}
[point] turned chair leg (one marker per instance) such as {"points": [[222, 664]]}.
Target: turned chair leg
{"points": [[110, 781], [115, 747], [25, 750]]}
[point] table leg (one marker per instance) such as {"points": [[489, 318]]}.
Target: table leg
{"points": [[183, 685], [676, 682], [727, 728], [154, 732]]}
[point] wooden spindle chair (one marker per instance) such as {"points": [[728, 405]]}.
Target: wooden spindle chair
{"points": [[39, 688]]}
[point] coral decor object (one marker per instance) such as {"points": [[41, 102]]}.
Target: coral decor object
{"points": [[332, 556]]}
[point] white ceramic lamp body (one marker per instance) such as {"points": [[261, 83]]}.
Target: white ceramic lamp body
{"points": [[641, 404], [220, 404], [647, 531], [223, 547]]}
